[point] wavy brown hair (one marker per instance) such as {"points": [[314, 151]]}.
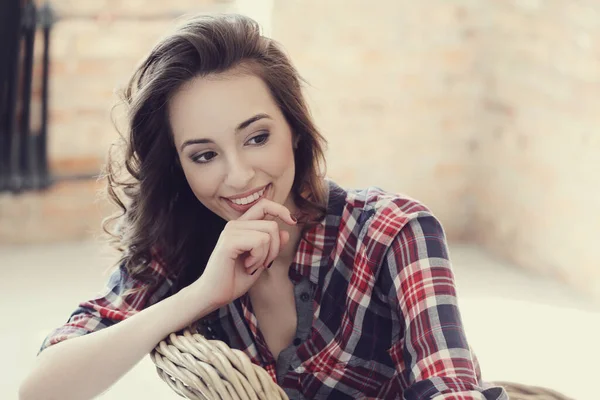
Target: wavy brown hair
{"points": [[159, 217]]}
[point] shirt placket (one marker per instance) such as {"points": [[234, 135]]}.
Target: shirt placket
{"points": [[288, 359]]}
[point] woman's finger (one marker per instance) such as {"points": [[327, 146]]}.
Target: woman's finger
{"points": [[269, 227], [253, 242], [265, 208], [284, 237], [258, 255], [251, 247]]}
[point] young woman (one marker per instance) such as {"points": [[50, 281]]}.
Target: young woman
{"points": [[227, 219]]}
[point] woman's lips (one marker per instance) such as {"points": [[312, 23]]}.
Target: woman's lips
{"points": [[242, 208]]}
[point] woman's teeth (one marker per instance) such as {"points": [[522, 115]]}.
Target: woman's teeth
{"points": [[249, 199]]}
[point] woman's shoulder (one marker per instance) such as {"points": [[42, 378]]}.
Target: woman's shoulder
{"points": [[376, 216], [376, 200], [374, 205]]}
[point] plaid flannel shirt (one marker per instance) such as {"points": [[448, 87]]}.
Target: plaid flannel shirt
{"points": [[385, 321]]}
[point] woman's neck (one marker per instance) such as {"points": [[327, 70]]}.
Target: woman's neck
{"points": [[288, 252]]}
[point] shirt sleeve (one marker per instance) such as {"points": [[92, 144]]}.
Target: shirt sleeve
{"points": [[114, 304], [433, 358]]}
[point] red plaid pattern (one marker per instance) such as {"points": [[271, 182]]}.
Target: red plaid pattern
{"points": [[386, 324]]}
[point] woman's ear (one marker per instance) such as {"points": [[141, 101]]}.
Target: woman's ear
{"points": [[296, 141]]}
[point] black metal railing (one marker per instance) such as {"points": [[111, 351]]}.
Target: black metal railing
{"points": [[23, 153]]}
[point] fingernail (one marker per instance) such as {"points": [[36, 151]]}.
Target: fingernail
{"points": [[269, 266], [254, 272], [293, 218]]}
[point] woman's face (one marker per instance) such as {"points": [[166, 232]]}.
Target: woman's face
{"points": [[233, 142]]}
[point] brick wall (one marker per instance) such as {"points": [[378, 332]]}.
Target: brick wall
{"points": [[401, 89], [536, 186], [394, 88], [485, 111], [95, 45]]}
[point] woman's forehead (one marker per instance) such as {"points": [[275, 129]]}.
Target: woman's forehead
{"points": [[215, 105]]}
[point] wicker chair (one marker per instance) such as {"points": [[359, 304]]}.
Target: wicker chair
{"points": [[518, 391], [201, 369], [197, 368]]}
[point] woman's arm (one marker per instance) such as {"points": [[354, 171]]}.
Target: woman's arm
{"points": [[434, 359], [83, 367], [97, 351]]}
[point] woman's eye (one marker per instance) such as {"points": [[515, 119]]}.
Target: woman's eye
{"points": [[259, 139], [204, 157]]}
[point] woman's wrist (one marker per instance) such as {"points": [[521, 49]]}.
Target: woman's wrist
{"points": [[194, 302]]}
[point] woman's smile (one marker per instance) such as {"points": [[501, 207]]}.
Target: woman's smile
{"points": [[242, 203]]}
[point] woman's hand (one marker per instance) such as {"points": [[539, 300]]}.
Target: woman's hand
{"points": [[246, 247]]}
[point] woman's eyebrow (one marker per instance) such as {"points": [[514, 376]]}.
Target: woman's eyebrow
{"points": [[250, 121], [243, 125]]}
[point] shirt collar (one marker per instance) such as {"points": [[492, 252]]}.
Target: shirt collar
{"points": [[315, 247]]}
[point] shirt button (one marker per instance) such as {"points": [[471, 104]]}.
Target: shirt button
{"points": [[297, 342], [305, 297]]}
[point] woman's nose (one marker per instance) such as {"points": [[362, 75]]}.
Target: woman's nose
{"points": [[239, 174]]}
